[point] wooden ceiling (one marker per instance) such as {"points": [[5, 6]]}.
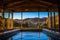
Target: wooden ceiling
{"points": [[28, 5]]}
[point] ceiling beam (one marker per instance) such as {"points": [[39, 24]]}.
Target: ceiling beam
{"points": [[22, 2], [29, 9], [22, 5], [15, 3], [31, 5], [48, 3]]}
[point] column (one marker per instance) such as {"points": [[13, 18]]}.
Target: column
{"points": [[49, 22], [54, 22], [3, 21], [39, 25], [58, 22], [8, 21], [21, 20], [12, 20], [21, 24], [59, 12], [38, 20], [51, 18], [0, 21]]}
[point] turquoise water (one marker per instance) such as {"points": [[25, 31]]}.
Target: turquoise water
{"points": [[30, 36]]}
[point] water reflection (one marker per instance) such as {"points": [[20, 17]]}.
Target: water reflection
{"points": [[30, 36]]}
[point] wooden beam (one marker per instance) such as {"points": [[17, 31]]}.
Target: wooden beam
{"points": [[31, 5], [17, 9], [15, 3], [48, 3], [23, 2]]}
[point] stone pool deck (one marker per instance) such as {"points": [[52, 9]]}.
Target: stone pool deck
{"points": [[7, 34], [53, 34]]}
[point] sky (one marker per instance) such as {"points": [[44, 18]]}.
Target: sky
{"points": [[17, 15]]}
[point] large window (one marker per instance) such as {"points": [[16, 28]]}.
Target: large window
{"points": [[17, 20], [32, 19], [43, 19]]}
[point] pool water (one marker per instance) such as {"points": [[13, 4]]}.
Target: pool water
{"points": [[30, 36]]}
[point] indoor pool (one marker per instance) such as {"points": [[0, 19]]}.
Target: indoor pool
{"points": [[30, 36]]}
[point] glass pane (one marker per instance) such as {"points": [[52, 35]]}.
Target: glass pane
{"points": [[43, 19], [6, 15], [17, 19], [56, 13], [10, 16], [30, 19]]}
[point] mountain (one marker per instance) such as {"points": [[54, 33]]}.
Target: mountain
{"points": [[35, 20], [32, 20]]}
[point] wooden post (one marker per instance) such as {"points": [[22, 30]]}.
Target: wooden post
{"points": [[3, 21], [8, 21], [38, 20], [39, 25], [21, 19], [51, 18], [12, 20], [58, 22], [54, 22], [59, 12], [48, 20], [59, 19], [21, 24]]}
